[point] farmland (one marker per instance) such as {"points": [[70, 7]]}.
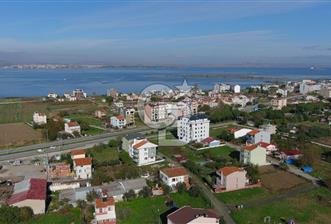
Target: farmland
{"points": [[18, 134]]}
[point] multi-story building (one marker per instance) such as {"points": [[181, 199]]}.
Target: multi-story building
{"points": [[325, 91], [130, 116], [278, 103], [143, 152], [83, 168], [79, 94], [128, 139], [105, 210], [39, 118], [253, 154], [307, 86], [230, 178], [174, 175], [118, 121], [155, 112], [257, 135], [236, 89], [195, 128], [221, 88]]}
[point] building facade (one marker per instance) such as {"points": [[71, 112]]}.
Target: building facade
{"points": [[173, 176], [195, 128]]}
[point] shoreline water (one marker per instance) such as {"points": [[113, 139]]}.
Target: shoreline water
{"points": [[28, 83]]}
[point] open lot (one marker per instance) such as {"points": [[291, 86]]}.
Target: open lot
{"points": [[72, 216], [18, 134], [275, 180], [243, 196], [22, 111], [309, 208], [22, 171], [148, 210]]}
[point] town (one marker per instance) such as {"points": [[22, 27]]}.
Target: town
{"points": [[231, 154]]}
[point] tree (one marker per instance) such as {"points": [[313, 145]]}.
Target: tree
{"points": [[26, 213], [181, 187], [91, 196], [9, 214], [194, 191], [130, 195], [166, 189], [253, 173], [112, 143], [145, 192], [109, 100]]}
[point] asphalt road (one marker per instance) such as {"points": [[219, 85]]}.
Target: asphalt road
{"points": [[64, 145]]}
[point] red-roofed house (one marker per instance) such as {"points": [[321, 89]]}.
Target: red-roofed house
{"points": [[143, 152], [291, 154], [210, 142], [83, 168], [118, 121], [253, 154], [78, 154], [71, 127], [30, 193], [230, 178], [105, 210], [174, 175], [270, 148]]}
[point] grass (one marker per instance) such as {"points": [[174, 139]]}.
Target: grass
{"points": [[93, 131], [304, 209], [242, 196], [214, 132], [222, 151], [23, 111], [148, 210], [72, 216], [104, 154], [89, 119]]}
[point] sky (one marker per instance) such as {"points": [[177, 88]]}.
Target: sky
{"points": [[159, 32]]}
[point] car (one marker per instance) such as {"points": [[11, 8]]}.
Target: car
{"points": [[52, 147], [40, 150]]}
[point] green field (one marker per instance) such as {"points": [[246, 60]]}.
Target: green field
{"points": [[89, 119], [23, 111], [242, 196], [69, 217], [148, 210], [310, 208], [103, 154]]}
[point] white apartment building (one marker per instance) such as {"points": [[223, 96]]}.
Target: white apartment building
{"points": [[195, 128], [130, 116], [143, 152], [221, 88], [52, 95], [307, 86], [325, 91], [236, 88], [155, 112], [39, 118]]}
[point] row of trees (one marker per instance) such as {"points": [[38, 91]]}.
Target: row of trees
{"points": [[10, 215]]}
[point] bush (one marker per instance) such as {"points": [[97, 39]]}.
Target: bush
{"points": [[145, 192], [194, 191], [130, 195]]}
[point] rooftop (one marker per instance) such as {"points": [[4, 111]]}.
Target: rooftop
{"points": [[174, 171], [186, 214], [33, 189], [103, 203], [249, 147], [77, 152], [83, 161], [229, 170]]}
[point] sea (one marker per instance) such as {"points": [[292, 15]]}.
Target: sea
{"points": [[34, 82]]}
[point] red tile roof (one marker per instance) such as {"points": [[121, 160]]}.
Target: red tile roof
{"points": [[36, 191], [72, 124], [174, 171], [228, 170], [207, 140], [293, 152], [263, 144], [253, 132], [249, 147], [120, 117], [100, 203], [140, 143], [77, 152], [83, 161]]}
